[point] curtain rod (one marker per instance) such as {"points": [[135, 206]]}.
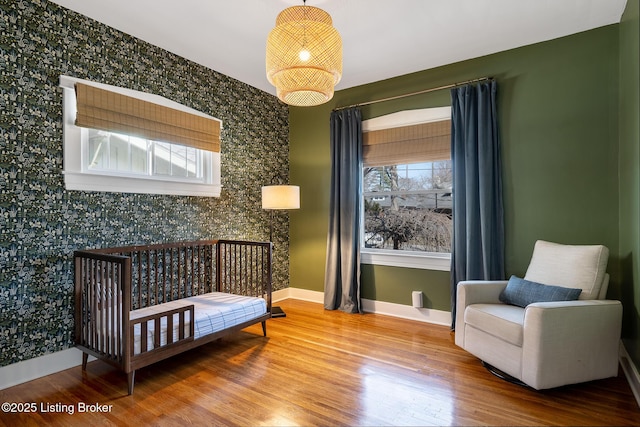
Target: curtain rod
{"points": [[433, 89]]}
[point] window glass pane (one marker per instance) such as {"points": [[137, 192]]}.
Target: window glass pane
{"points": [[98, 149], [119, 159], [192, 162], [162, 158], [408, 207], [178, 160], [139, 155]]}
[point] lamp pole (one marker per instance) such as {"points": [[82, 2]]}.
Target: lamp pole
{"points": [[279, 197]]}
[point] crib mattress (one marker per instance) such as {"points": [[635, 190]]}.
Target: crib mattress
{"points": [[213, 312]]}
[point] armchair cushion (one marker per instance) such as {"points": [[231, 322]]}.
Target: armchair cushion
{"points": [[523, 292], [500, 320], [570, 266]]}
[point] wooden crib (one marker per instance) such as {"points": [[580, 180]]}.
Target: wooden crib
{"points": [[137, 305]]}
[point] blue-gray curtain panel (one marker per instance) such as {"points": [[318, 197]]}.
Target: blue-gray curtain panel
{"points": [[342, 275], [478, 216]]}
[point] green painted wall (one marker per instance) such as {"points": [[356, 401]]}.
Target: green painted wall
{"points": [[557, 103], [395, 284], [630, 177]]}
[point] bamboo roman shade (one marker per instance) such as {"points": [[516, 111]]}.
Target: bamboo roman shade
{"points": [[106, 110], [425, 142]]}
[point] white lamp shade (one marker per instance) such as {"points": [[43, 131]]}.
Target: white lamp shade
{"points": [[280, 197]]}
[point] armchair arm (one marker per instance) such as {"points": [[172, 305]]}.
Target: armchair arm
{"points": [[571, 341], [474, 292], [479, 292]]}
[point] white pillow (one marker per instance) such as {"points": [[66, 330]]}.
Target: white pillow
{"points": [[570, 266]]}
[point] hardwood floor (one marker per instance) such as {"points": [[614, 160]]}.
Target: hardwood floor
{"points": [[318, 367]]}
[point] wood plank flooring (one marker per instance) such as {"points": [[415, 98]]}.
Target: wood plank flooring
{"points": [[318, 367]]}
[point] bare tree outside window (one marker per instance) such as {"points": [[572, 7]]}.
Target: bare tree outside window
{"points": [[408, 207]]}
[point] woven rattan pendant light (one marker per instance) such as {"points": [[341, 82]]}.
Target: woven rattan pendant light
{"points": [[304, 56]]}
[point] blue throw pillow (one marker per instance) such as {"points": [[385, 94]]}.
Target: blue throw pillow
{"points": [[522, 292]]}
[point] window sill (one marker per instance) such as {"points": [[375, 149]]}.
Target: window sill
{"points": [[407, 259], [135, 184]]}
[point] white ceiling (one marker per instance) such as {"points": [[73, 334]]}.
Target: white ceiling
{"points": [[381, 38]]}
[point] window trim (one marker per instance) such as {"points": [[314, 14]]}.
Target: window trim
{"points": [[403, 258], [78, 177], [408, 259]]}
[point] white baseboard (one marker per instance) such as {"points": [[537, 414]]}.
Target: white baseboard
{"points": [[38, 367], [630, 371], [300, 294], [427, 315]]}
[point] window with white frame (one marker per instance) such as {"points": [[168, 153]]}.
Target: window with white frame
{"points": [[99, 159], [407, 186]]}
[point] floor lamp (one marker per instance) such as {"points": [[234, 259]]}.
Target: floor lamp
{"points": [[279, 197]]}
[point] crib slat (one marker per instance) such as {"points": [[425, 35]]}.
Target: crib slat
{"points": [[169, 329], [147, 291], [100, 281], [171, 278], [180, 293], [193, 272], [112, 308], [139, 281], [127, 328], [155, 277], [181, 325], [235, 268], [244, 266], [199, 274], [210, 261], [164, 275], [94, 306], [252, 270], [157, 332], [117, 303], [143, 337]]}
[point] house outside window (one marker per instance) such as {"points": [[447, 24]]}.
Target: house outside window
{"points": [[407, 187]]}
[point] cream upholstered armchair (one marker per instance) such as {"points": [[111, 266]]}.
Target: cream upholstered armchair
{"points": [[570, 338]]}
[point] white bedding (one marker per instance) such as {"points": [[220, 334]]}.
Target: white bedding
{"points": [[214, 312]]}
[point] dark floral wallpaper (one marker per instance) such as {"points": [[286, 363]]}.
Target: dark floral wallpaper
{"points": [[41, 223]]}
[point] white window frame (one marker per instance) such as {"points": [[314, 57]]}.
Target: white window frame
{"points": [[400, 258], [78, 176]]}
